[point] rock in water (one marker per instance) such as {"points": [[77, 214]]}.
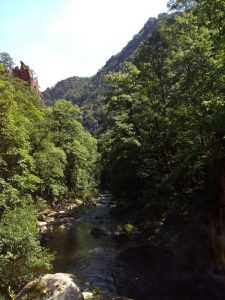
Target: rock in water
{"points": [[57, 286], [129, 227], [103, 296], [98, 232]]}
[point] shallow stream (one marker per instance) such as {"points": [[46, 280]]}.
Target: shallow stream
{"points": [[126, 266]]}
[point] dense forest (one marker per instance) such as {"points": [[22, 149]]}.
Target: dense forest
{"points": [[163, 144], [157, 112], [164, 138], [72, 89], [46, 157]]}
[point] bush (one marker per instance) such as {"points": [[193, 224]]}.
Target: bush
{"points": [[21, 256]]}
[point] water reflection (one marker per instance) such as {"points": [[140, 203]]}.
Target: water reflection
{"points": [[78, 252], [124, 267]]}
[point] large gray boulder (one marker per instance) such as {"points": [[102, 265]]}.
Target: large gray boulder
{"points": [[57, 286]]}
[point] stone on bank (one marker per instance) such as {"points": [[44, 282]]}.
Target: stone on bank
{"points": [[60, 286], [57, 286]]}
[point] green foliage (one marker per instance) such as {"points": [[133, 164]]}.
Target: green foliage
{"points": [[72, 89], [164, 143], [45, 153], [2, 68], [49, 167], [14, 148], [9, 196], [45, 156], [21, 257], [80, 148], [11, 293], [6, 60], [162, 133]]}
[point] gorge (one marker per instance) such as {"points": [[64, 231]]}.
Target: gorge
{"points": [[119, 178]]}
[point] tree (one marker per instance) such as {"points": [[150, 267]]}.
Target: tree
{"points": [[164, 143], [121, 143], [80, 148], [45, 155], [21, 256], [6, 60], [49, 167]]}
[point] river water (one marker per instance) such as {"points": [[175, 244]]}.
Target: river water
{"points": [[126, 266]]}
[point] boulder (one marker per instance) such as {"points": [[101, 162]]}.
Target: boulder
{"points": [[47, 212], [49, 219], [102, 296], [98, 232], [44, 218], [53, 214], [42, 226], [88, 295], [79, 202], [57, 286], [62, 227], [129, 227], [65, 226], [72, 206]]}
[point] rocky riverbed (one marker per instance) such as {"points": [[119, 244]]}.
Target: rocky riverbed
{"points": [[111, 261]]}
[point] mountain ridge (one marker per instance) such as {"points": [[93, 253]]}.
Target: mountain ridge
{"points": [[113, 64], [88, 92]]}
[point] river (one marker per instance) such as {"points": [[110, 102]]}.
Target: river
{"points": [[126, 266]]}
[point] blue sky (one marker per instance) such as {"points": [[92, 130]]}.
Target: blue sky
{"points": [[63, 38]]}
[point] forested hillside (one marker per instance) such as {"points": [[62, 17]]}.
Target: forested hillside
{"points": [[158, 106], [115, 63], [46, 158], [73, 89], [157, 110], [90, 92], [163, 147]]}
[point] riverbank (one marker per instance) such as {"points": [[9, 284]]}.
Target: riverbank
{"points": [[126, 265]]}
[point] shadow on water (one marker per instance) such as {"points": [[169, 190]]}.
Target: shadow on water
{"points": [[124, 266]]}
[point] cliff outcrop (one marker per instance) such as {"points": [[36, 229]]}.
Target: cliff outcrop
{"points": [[24, 72]]}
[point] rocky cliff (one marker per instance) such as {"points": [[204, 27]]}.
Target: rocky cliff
{"points": [[24, 72]]}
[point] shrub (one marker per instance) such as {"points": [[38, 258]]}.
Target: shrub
{"points": [[21, 256]]}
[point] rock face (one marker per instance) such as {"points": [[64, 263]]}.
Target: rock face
{"points": [[57, 286], [25, 74]]}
